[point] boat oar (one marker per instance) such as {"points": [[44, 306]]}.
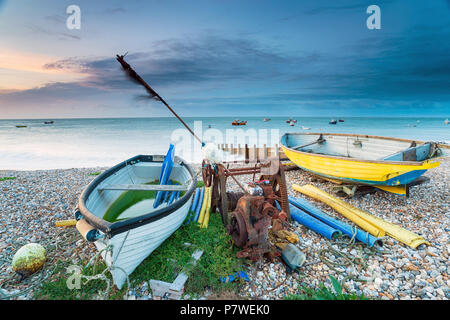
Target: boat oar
{"points": [[320, 140], [154, 95]]}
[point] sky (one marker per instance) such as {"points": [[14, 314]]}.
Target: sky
{"points": [[225, 58]]}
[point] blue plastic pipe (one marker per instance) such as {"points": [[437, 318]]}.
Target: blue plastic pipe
{"points": [[200, 202], [313, 223], [346, 229], [195, 201]]}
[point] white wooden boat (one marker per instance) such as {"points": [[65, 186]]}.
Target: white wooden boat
{"points": [[127, 241]]}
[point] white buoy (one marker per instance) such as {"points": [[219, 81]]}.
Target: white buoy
{"points": [[212, 153]]}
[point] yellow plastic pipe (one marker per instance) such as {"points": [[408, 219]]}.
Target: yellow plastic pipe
{"points": [[66, 223], [363, 224], [204, 204], [398, 233], [405, 236], [208, 210]]}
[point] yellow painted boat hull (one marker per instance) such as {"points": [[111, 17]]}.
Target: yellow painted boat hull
{"points": [[359, 170]]}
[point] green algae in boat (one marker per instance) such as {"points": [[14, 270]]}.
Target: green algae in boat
{"points": [[133, 203]]}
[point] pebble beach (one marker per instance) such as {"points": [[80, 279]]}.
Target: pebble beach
{"points": [[33, 201]]}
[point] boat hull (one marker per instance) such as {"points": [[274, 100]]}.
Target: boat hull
{"points": [[126, 243], [354, 170]]}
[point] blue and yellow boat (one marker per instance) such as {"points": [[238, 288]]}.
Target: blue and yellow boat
{"points": [[386, 163]]}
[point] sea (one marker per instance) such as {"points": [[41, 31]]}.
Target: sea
{"points": [[86, 143]]}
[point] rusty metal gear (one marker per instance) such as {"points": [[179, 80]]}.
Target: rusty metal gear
{"points": [[207, 173], [279, 187], [237, 229]]}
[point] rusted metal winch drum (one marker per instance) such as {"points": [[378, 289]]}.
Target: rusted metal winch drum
{"points": [[249, 225]]}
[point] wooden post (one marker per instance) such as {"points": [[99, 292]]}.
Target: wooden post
{"points": [[255, 153], [246, 153]]}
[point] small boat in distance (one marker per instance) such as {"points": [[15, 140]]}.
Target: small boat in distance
{"points": [[266, 119], [306, 128], [49, 122], [333, 121], [239, 123], [21, 126], [116, 210], [292, 123], [446, 121], [341, 120]]}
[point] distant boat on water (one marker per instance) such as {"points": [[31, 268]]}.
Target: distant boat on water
{"points": [[341, 120], [292, 123], [305, 128], [266, 119], [49, 122], [237, 122], [333, 121], [21, 126]]}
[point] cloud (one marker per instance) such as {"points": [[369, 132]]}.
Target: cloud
{"points": [[114, 10], [188, 61], [361, 6], [232, 73], [47, 32]]}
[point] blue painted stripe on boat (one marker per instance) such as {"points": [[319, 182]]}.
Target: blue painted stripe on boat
{"points": [[408, 177], [422, 153], [405, 178]]}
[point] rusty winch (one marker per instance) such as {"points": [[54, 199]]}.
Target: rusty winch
{"points": [[249, 215]]}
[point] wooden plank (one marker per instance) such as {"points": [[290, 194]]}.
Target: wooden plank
{"points": [[144, 187]]}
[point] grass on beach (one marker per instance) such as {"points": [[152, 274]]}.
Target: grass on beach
{"points": [[324, 293], [169, 259], [7, 178]]}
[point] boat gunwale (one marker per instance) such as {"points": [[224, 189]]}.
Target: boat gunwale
{"points": [[112, 229], [411, 163]]}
